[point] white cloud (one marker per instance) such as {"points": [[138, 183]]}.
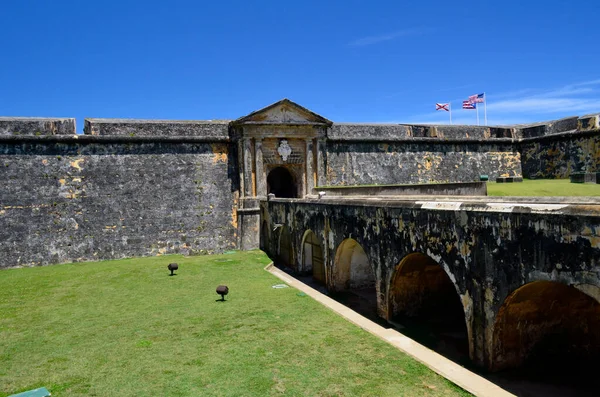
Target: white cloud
{"points": [[369, 40], [578, 97], [525, 106]]}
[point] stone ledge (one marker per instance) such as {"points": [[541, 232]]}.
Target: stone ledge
{"points": [[109, 139], [444, 189], [561, 136], [559, 206]]}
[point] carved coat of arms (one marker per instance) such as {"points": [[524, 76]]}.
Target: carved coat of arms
{"points": [[284, 149]]}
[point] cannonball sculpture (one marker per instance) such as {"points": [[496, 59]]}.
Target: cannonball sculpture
{"points": [[222, 290], [172, 267]]}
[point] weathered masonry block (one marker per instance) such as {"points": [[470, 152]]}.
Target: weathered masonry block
{"points": [[36, 126], [156, 128], [583, 177]]}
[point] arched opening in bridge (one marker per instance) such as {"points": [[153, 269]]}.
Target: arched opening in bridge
{"points": [[281, 183], [353, 281], [264, 236], [551, 331], [424, 301], [285, 253], [312, 257]]}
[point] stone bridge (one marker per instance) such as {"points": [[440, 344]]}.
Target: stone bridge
{"points": [[519, 277]]}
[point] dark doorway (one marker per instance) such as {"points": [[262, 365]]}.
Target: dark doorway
{"points": [[285, 251], [280, 182], [423, 300], [548, 334]]}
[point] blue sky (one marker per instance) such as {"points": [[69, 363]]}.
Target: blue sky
{"points": [[350, 61]]}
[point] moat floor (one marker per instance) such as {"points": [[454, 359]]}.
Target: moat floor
{"points": [[125, 328]]}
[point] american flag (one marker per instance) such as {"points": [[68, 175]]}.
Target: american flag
{"points": [[477, 98], [442, 106], [469, 105]]}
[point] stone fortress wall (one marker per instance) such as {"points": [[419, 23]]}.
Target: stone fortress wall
{"points": [[148, 187], [68, 197]]}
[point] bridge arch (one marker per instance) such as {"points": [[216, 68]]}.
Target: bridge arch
{"points": [[422, 294], [352, 267], [285, 250], [264, 235], [312, 259], [547, 325]]}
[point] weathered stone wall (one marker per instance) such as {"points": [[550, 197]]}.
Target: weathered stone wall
{"points": [[175, 128], [557, 156], [419, 160], [84, 198], [549, 127], [347, 131], [374, 154], [36, 126], [382, 132]]}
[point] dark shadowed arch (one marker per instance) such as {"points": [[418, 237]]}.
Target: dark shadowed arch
{"points": [[547, 326], [312, 257], [264, 236], [423, 296], [285, 252], [282, 183]]}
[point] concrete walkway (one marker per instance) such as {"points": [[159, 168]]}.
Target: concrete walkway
{"points": [[460, 376]]}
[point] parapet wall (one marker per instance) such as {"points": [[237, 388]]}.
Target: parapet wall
{"points": [[393, 132], [559, 148], [156, 128], [36, 126]]}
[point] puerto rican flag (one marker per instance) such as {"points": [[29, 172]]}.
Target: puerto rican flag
{"points": [[469, 105], [442, 106], [478, 98]]}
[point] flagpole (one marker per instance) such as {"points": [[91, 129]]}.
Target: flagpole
{"points": [[485, 108], [450, 106], [477, 110]]}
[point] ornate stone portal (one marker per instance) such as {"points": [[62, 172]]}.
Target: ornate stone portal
{"points": [[281, 150]]}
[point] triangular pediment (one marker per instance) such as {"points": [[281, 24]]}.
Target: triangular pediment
{"points": [[283, 112]]}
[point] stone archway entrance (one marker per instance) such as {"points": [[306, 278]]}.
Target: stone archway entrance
{"points": [[281, 183]]}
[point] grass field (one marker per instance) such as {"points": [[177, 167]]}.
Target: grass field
{"points": [[543, 187], [125, 328]]}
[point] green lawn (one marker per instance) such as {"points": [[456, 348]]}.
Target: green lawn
{"points": [[125, 328], [543, 187]]}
